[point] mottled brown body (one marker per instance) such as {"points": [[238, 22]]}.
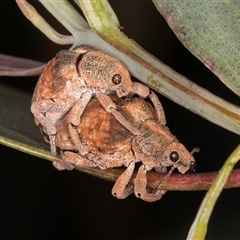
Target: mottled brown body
{"points": [[71, 79], [110, 144]]}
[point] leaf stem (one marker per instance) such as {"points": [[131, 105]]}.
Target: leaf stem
{"points": [[30, 13]]}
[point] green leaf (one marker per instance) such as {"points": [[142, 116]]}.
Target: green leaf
{"points": [[211, 31], [199, 227], [17, 127]]}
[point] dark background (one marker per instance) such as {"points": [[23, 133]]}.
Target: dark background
{"points": [[38, 202]]}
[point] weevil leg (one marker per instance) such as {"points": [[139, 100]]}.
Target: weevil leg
{"points": [[74, 118], [111, 107], [39, 110], [160, 169], [62, 165], [122, 188], [140, 187], [158, 107], [105, 160], [71, 159], [143, 91]]}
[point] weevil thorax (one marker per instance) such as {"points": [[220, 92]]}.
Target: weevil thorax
{"points": [[104, 73], [175, 154]]}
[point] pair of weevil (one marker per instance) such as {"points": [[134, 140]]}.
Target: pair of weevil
{"points": [[84, 105]]}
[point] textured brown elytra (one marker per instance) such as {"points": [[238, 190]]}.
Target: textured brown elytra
{"points": [[98, 130], [71, 79], [110, 144]]}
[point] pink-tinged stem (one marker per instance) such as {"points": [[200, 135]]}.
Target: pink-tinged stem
{"points": [[176, 182]]}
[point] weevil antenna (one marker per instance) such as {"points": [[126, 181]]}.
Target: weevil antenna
{"points": [[195, 150], [165, 178]]}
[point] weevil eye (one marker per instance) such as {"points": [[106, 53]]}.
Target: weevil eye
{"points": [[117, 79], [174, 156]]}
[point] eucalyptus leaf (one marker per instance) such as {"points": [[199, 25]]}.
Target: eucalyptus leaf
{"points": [[211, 31], [16, 66], [16, 120]]}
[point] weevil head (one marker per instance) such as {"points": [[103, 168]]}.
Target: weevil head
{"points": [[178, 156], [121, 79], [103, 72], [159, 148]]}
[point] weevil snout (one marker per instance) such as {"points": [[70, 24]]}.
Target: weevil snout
{"points": [[193, 166]]}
